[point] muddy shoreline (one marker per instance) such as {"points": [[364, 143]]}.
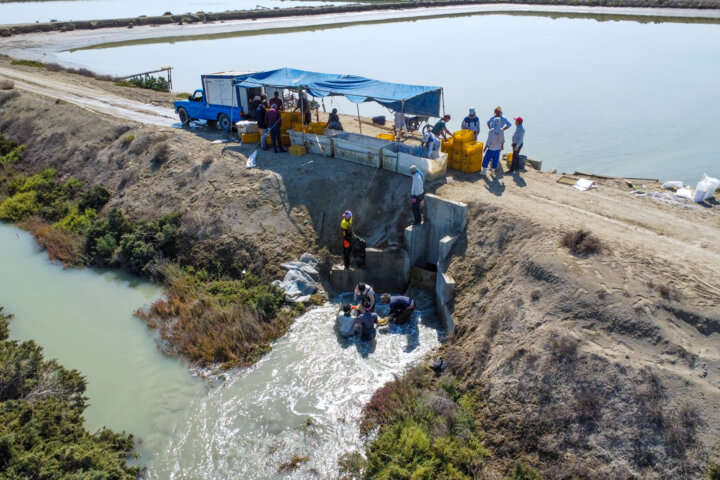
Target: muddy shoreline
{"points": [[203, 18]]}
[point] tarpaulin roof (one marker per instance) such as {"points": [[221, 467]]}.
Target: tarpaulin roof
{"points": [[415, 99]]}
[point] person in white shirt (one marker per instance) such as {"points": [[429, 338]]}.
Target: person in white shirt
{"points": [[431, 145], [417, 193], [471, 122], [366, 294], [347, 321], [400, 123]]}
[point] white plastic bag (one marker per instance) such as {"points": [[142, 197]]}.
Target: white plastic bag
{"points": [[251, 160], [673, 184], [705, 188]]}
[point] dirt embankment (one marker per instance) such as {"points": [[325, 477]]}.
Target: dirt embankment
{"points": [[207, 17], [599, 366]]}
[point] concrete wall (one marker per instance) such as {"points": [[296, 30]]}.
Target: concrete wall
{"points": [[386, 270], [445, 217]]}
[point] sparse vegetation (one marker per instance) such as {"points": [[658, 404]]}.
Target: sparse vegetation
{"points": [[713, 471], [41, 423], [161, 153], [150, 82], [6, 84], [183, 95], [524, 472], [423, 431], [563, 348], [293, 464], [28, 63], [127, 140], [582, 242], [10, 152]]}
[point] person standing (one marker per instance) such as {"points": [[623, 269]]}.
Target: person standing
{"points": [[368, 320], [417, 193], [401, 307], [351, 241], [497, 122], [517, 143], [366, 295], [276, 100], [440, 128], [471, 122], [400, 125], [304, 106], [492, 150], [273, 121], [260, 114]]}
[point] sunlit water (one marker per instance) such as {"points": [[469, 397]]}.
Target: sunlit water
{"points": [[303, 398], [67, 10], [613, 97]]}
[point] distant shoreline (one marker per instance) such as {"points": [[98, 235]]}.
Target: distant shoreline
{"points": [[204, 18]]}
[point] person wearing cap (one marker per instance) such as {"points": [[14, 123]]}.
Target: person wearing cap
{"points": [[471, 122], [431, 145], [276, 100], [334, 121], [417, 193], [494, 144], [401, 307], [366, 295], [351, 241], [517, 143], [497, 122], [440, 128]]}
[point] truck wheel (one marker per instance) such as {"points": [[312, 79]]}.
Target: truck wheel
{"points": [[224, 122], [184, 117]]}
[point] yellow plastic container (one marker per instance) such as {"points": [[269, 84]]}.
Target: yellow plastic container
{"points": [[509, 159], [250, 137], [462, 136], [317, 128], [285, 140], [298, 150], [471, 162], [471, 147], [386, 136], [287, 119], [296, 116], [454, 160], [446, 147]]}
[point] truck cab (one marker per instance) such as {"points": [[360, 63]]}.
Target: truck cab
{"points": [[220, 102]]}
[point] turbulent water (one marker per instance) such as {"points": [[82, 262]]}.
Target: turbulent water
{"points": [[303, 398]]}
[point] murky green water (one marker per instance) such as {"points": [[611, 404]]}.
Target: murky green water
{"points": [[243, 425], [65, 10], [612, 97]]}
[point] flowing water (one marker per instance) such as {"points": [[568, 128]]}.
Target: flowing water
{"points": [[611, 97], [303, 398], [68, 10]]}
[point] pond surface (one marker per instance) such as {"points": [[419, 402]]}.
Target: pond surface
{"points": [[609, 97], [303, 398], [66, 10]]}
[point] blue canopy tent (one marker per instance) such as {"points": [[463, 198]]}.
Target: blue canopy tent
{"points": [[413, 99]]}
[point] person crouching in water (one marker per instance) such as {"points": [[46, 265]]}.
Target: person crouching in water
{"points": [[366, 295], [348, 323], [368, 320], [401, 307]]}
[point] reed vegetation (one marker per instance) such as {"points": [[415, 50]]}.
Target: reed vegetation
{"points": [[41, 423]]}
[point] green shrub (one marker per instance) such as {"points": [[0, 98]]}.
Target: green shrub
{"points": [[127, 140], [10, 152], [152, 83], [19, 206], [524, 472], [95, 198], [28, 63], [713, 472], [41, 423], [77, 222]]}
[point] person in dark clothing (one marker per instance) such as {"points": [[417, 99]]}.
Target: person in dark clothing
{"points": [[277, 101], [262, 125], [256, 101], [304, 106], [334, 121], [273, 120], [368, 320], [401, 307]]}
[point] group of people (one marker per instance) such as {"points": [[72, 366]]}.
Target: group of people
{"points": [[360, 317], [497, 124]]}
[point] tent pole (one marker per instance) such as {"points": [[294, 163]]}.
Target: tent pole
{"points": [[442, 95], [358, 115]]}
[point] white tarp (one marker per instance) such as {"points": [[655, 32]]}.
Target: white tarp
{"points": [[300, 280]]}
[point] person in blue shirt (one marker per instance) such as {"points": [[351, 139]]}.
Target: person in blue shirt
{"points": [[517, 143], [471, 122], [401, 307], [497, 122], [368, 320]]}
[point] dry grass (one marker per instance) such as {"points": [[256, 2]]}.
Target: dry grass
{"points": [[563, 349], [535, 295], [161, 154], [64, 246], [6, 84], [293, 464], [582, 242]]}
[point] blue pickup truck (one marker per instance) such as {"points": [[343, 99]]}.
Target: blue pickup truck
{"points": [[220, 101]]}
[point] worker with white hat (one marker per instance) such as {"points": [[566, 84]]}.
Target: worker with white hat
{"points": [[431, 145], [471, 122]]}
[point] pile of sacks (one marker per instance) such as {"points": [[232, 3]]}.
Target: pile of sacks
{"points": [[300, 280]]}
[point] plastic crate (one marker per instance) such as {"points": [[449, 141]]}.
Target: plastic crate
{"points": [[317, 128], [453, 160], [285, 140], [446, 147], [287, 119], [471, 147], [298, 150], [462, 136], [508, 159], [386, 136], [250, 137], [471, 162]]}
